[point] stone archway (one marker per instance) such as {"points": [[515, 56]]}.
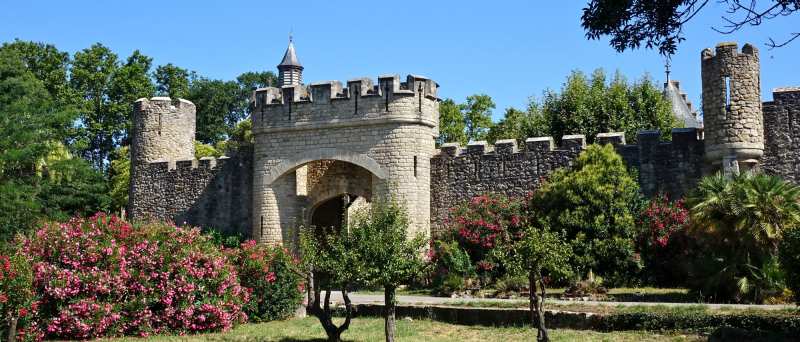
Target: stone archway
{"points": [[313, 191]]}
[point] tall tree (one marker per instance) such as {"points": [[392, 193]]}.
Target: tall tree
{"points": [[130, 82], [100, 126], [219, 108], [477, 113], [451, 123], [172, 81], [659, 24], [592, 105], [48, 64], [30, 127]]}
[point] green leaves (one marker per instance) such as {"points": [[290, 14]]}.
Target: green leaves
{"points": [[373, 249], [592, 203], [740, 221], [465, 122]]}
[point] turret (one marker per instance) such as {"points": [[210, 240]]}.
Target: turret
{"points": [[732, 116], [163, 130]]}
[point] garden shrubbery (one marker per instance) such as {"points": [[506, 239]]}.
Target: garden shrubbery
{"points": [[663, 241], [101, 276], [272, 276]]}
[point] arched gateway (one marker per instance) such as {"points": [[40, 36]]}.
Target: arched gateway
{"points": [[325, 141]]}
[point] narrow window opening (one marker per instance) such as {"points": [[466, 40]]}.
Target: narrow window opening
{"points": [[415, 166], [159, 123], [727, 93], [262, 227]]}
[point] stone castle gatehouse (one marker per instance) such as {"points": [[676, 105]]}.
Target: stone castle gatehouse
{"points": [[325, 147]]}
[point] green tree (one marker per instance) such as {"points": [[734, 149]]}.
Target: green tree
{"points": [[332, 264], [477, 114], [593, 203], [100, 126], [130, 82], [543, 253], [740, 221], [120, 178], [660, 25], [592, 105], [72, 187], [49, 65], [30, 128], [379, 236], [172, 81], [219, 108], [252, 80], [451, 123]]}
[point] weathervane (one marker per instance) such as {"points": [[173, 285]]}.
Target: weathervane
{"points": [[666, 68]]}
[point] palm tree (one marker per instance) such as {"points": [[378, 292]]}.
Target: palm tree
{"points": [[739, 222]]}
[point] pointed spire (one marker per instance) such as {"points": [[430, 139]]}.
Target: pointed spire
{"points": [[290, 57], [290, 72]]}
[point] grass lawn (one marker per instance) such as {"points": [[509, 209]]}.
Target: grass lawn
{"points": [[371, 329]]}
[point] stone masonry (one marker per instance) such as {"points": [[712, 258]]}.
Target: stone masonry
{"points": [[325, 141], [734, 125], [386, 129]]}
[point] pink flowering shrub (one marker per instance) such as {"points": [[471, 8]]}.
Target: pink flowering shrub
{"points": [[486, 228], [100, 277], [16, 293], [663, 241], [271, 275]]}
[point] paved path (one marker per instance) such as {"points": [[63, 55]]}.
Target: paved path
{"points": [[363, 298]]}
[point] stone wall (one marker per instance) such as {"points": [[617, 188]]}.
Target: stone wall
{"points": [[671, 167], [211, 193], [782, 138]]}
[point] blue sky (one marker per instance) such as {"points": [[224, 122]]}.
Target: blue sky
{"points": [[508, 49]]}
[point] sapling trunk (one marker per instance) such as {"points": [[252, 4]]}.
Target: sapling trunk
{"points": [[389, 312], [537, 305], [12, 329]]}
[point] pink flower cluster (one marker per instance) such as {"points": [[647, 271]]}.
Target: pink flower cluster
{"points": [[662, 219], [487, 223], [101, 277]]}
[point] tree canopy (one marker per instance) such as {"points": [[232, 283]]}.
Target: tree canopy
{"points": [[659, 24]]}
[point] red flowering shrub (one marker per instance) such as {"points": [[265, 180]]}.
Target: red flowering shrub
{"points": [[486, 228], [663, 240], [271, 276], [102, 277]]}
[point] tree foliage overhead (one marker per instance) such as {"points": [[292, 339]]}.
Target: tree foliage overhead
{"points": [[590, 105], [658, 24]]}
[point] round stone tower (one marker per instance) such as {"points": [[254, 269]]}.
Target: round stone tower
{"points": [[732, 117], [163, 130]]}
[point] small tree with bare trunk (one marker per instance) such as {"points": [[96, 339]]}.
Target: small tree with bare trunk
{"points": [[331, 265], [389, 255], [542, 254]]}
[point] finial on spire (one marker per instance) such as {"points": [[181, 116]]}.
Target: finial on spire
{"points": [[666, 68], [290, 35]]}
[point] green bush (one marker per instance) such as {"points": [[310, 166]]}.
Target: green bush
{"points": [[789, 252], [594, 204], [272, 277], [452, 267], [739, 222]]}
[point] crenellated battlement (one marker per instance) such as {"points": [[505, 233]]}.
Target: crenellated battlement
{"points": [[360, 102], [577, 142], [728, 50], [204, 163]]}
